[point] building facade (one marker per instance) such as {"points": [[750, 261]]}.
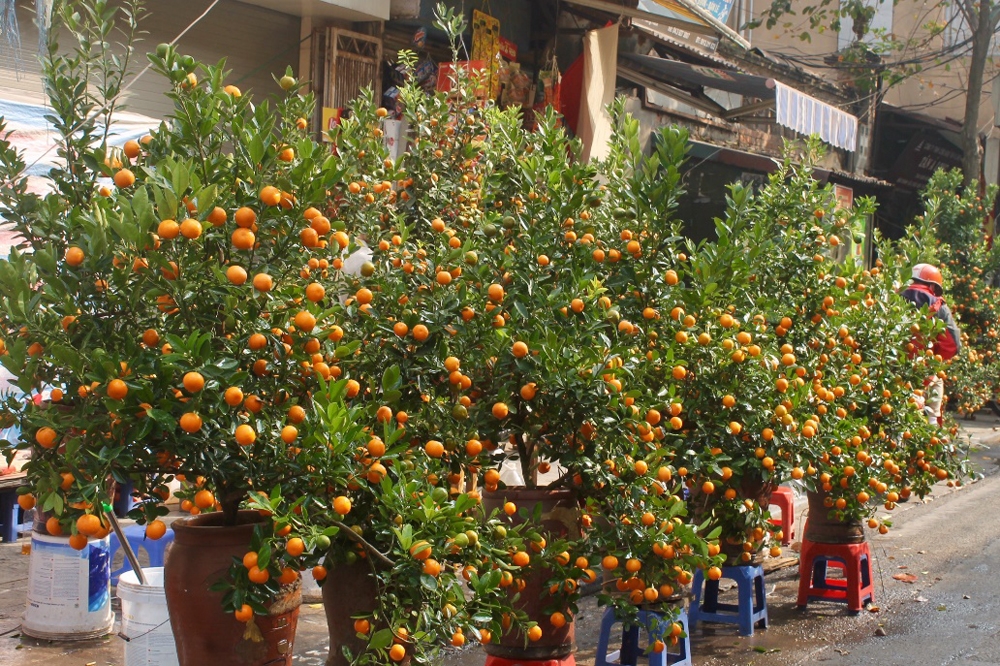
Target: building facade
{"points": [[684, 62]]}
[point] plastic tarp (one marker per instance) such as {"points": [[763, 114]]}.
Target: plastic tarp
{"points": [[34, 137]]}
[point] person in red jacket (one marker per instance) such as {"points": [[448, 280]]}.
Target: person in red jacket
{"points": [[925, 291]]}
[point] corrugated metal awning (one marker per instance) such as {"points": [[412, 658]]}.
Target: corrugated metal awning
{"points": [[793, 109], [686, 74]]}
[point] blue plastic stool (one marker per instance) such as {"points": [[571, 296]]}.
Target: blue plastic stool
{"points": [[749, 612], [136, 537], [124, 501], [657, 627], [12, 516]]}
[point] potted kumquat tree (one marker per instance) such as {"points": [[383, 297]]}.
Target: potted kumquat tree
{"points": [[790, 366]]}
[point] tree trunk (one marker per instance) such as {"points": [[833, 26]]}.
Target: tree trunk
{"points": [[981, 40]]}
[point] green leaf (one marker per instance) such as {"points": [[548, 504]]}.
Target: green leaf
{"points": [[264, 555], [381, 639], [166, 203], [390, 378], [405, 536], [45, 260], [143, 210], [256, 149], [180, 177], [344, 351], [206, 197]]}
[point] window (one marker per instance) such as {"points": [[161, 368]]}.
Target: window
{"points": [[881, 22]]}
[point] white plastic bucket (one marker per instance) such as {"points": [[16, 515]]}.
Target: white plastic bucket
{"points": [[69, 591], [149, 640]]}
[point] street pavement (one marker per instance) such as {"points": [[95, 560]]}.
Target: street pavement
{"points": [[948, 615]]}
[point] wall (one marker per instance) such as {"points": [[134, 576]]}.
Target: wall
{"points": [[938, 90], [256, 42], [784, 38]]}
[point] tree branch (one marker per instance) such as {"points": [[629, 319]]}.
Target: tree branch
{"points": [[357, 538]]}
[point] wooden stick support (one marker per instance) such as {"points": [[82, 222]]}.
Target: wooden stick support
{"points": [[126, 547]]}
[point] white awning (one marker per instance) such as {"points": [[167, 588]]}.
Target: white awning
{"points": [[808, 115]]}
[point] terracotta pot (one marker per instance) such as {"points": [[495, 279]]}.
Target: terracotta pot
{"points": [[350, 589], [731, 545], [560, 519], [822, 528], [200, 556]]}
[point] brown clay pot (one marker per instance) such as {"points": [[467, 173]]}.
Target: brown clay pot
{"points": [[731, 545], [560, 518], [822, 528], [200, 555], [350, 589]]}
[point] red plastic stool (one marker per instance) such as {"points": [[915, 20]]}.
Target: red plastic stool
{"points": [[854, 559], [501, 661], [784, 498]]}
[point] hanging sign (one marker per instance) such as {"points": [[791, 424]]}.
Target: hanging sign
{"points": [[486, 47], [331, 118]]}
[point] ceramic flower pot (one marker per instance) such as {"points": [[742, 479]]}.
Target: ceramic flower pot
{"points": [[200, 555]]}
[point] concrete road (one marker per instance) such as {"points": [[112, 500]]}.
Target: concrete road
{"points": [[949, 615]]}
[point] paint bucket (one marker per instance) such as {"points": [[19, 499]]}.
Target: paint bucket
{"points": [[69, 591], [149, 640]]}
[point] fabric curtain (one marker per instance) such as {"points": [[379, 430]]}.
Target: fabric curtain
{"points": [[600, 70]]}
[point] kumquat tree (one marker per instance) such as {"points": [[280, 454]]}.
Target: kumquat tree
{"points": [[955, 228], [788, 365], [177, 297]]}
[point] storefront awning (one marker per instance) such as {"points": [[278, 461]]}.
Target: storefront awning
{"points": [[793, 109], [688, 15]]}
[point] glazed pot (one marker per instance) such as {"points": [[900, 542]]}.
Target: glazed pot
{"points": [[560, 517], [200, 556], [821, 527]]}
